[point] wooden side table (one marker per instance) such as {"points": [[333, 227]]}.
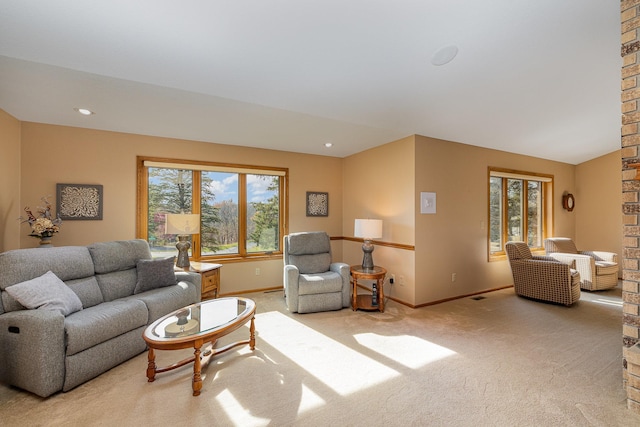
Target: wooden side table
{"points": [[210, 278], [365, 302]]}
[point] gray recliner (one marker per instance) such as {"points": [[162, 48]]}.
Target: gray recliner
{"points": [[311, 281]]}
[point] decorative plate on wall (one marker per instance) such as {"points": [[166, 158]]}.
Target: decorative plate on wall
{"points": [[568, 202]]}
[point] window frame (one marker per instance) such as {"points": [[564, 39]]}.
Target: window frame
{"points": [[547, 209], [144, 163]]}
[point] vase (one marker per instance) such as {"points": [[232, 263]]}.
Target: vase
{"points": [[45, 242]]}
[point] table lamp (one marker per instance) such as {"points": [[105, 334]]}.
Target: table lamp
{"points": [[183, 225], [368, 229]]}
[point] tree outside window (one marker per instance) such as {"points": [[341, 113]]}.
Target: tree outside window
{"points": [[516, 209], [170, 192], [241, 213], [263, 219]]}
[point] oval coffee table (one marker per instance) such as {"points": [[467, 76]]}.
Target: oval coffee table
{"points": [[195, 325]]}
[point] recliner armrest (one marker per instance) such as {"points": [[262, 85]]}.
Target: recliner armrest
{"points": [[32, 350], [290, 283], [344, 270], [291, 269], [190, 276]]}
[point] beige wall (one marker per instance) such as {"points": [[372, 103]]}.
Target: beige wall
{"points": [[10, 208], [384, 182], [379, 184], [598, 208], [454, 240], [84, 156]]}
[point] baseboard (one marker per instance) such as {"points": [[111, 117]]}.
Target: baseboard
{"points": [[426, 304]]}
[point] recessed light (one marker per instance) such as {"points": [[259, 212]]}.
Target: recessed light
{"points": [[444, 55], [84, 111], [328, 144]]}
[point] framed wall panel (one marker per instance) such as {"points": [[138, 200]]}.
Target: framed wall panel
{"points": [[79, 201]]}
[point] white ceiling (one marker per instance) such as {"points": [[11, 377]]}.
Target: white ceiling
{"points": [[539, 77]]}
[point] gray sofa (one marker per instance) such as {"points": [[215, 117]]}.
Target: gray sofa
{"points": [[120, 290]]}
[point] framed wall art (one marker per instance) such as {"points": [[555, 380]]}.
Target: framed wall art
{"points": [[317, 203], [79, 201]]}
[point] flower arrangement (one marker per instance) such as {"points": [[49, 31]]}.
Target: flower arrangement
{"points": [[44, 225]]}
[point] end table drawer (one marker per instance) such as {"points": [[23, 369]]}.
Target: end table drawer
{"points": [[209, 278], [210, 284]]}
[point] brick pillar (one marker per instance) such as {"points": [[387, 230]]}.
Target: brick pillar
{"points": [[630, 51]]}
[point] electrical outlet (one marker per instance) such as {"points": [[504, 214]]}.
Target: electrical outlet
{"points": [[257, 271], [392, 279], [401, 280], [454, 276]]}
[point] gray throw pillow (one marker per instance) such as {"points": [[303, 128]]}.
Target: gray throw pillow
{"points": [[154, 273], [46, 292]]}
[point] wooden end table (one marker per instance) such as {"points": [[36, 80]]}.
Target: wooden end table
{"points": [[195, 325], [209, 278], [365, 302]]}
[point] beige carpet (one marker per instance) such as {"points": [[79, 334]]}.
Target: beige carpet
{"points": [[496, 361]]}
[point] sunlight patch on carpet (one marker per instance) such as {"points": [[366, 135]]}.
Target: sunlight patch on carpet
{"points": [[309, 400], [607, 301], [234, 411], [337, 366], [410, 351]]}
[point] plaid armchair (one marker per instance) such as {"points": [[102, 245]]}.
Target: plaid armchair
{"points": [[542, 277], [598, 269]]}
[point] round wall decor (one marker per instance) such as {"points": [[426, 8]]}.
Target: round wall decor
{"points": [[568, 202]]}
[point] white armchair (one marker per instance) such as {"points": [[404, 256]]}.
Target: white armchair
{"points": [[598, 269], [311, 281]]}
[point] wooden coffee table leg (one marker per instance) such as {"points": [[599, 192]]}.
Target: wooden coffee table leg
{"points": [[252, 334], [197, 379], [151, 366]]}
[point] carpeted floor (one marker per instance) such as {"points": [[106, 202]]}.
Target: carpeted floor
{"points": [[494, 360]]}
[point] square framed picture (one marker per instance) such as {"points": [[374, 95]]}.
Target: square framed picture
{"points": [[79, 201], [317, 203]]}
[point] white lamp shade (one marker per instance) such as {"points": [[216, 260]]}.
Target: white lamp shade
{"points": [[182, 224], [368, 228]]}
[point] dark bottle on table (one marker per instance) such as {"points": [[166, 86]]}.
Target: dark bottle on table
{"points": [[374, 295]]}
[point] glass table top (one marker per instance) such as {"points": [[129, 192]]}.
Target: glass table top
{"points": [[201, 318], [374, 270]]}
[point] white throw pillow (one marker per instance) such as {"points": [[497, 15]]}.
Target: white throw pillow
{"points": [[46, 292]]}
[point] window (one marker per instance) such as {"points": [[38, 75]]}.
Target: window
{"points": [[242, 208], [518, 209]]}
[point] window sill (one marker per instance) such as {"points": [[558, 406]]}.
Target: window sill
{"points": [[238, 258]]}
